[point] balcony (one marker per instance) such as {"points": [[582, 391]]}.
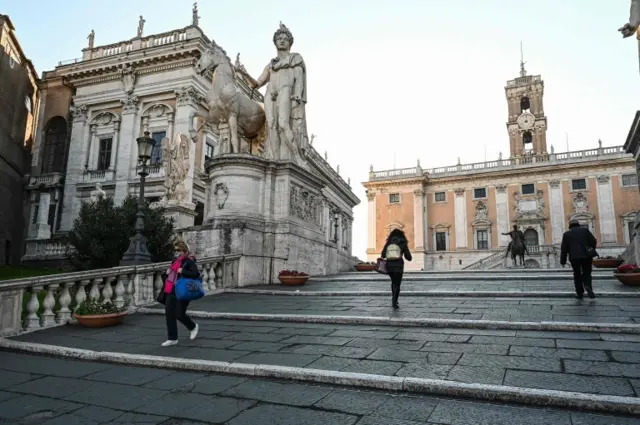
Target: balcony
{"points": [[98, 176], [46, 181]]}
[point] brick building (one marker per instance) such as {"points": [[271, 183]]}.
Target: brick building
{"points": [[455, 216], [18, 108]]}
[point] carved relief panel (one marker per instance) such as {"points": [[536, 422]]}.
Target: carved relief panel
{"points": [[305, 205]]}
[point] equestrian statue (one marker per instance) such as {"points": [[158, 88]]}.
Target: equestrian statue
{"points": [[516, 247]]}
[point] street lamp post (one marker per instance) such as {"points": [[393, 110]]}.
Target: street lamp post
{"points": [[336, 217], [138, 252]]}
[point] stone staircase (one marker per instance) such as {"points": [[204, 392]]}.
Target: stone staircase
{"points": [[492, 261]]}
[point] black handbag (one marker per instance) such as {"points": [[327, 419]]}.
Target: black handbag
{"points": [[162, 296]]}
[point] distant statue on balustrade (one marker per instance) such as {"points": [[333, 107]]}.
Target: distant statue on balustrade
{"points": [[227, 104], [140, 26], [175, 158], [631, 27], [195, 19], [91, 37]]}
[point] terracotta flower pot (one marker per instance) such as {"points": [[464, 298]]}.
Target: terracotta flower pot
{"points": [[606, 263], [293, 280], [365, 267], [631, 279], [100, 320]]}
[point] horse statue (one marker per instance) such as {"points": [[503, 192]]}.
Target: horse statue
{"points": [[517, 251], [227, 103]]}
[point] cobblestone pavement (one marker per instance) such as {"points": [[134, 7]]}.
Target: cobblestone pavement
{"points": [[600, 310], [587, 362], [47, 391], [602, 285]]}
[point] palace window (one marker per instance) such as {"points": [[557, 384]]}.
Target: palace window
{"points": [[531, 237], [528, 189], [479, 193], [55, 142], [440, 197], [104, 154], [394, 198], [482, 239], [441, 241], [156, 152], [578, 184], [209, 149], [629, 180]]}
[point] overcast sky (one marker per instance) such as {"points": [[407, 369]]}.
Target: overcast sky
{"points": [[394, 81]]}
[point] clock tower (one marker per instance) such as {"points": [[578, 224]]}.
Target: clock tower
{"points": [[527, 124]]}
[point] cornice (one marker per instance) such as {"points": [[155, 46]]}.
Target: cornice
{"points": [[403, 182]]}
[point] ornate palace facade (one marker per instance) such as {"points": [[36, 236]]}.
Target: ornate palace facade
{"points": [[454, 216]]}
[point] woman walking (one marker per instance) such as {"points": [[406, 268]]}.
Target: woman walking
{"points": [[394, 250], [580, 244], [175, 310]]}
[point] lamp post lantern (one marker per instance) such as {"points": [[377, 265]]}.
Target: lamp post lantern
{"points": [[336, 217], [138, 252]]}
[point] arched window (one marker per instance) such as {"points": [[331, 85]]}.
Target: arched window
{"points": [[525, 104], [531, 237], [55, 143]]}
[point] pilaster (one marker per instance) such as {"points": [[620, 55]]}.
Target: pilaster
{"points": [[502, 214], [43, 230], [40, 135], [556, 211], [418, 219], [126, 157], [75, 166], [371, 235], [606, 211], [460, 213], [187, 101]]}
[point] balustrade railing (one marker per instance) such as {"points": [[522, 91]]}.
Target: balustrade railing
{"points": [[35, 303]]}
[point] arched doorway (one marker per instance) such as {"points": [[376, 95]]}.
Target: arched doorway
{"points": [[531, 237], [55, 144]]}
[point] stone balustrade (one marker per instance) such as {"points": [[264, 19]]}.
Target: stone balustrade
{"points": [[503, 164], [40, 302], [45, 248]]}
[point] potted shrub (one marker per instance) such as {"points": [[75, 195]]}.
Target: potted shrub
{"points": [[607, 262], [292, 277], [628, 274], [94, 314], [366, 267]]}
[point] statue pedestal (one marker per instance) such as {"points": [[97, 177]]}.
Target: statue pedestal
{"points": [[276, 215], [183, 213]]}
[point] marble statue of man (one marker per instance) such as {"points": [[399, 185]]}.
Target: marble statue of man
{"points": [[141, 26], [97, 193], [175, 158], [631, 27], [285, 99], [128, 74], [195, 19], [91, 37]]}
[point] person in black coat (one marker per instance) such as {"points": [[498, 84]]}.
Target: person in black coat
{"points": [[395, 266], [580, 244], [176, 310]]}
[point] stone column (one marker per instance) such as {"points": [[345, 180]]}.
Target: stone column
{"points": [[127, 154], [371, 234], [460, 213], [556, 211], [502, 214], [114, 146], [187, 101], [91, 161], [43, 230], [38, 147], [418, 219], [606, 211], [75, 166]]}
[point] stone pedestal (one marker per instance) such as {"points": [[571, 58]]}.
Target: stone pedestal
{"points": [[272, 214], [43, 229], [183, 213]]}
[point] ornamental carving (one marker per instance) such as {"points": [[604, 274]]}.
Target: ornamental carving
{"points": [[482, 212], [130, 104], [554, 184], [603, 179], [459, 191], [418, 192], [371, 196], [221, 192], [128, 78], [580, 203], [187, 95], [79, 112], [501, 188], [304, 205]]}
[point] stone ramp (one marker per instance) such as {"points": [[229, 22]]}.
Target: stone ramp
{"points": [[534, 367], [529, 309], [48, 391]]}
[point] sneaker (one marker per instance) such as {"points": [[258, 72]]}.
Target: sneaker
{"points": [[169, 343], [579, 296], [194, 332], [592, 295]]}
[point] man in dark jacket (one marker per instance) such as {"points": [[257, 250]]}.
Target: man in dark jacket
{"points": [[580, 245], [395, 266]]}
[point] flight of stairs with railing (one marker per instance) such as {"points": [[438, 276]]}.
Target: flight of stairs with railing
{"points": [[492, 261]]}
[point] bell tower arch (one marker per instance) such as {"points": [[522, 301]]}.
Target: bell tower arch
{"points": [[526, 122]]}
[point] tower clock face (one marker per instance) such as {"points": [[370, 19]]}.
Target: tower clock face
{"points": [[526, 121]]}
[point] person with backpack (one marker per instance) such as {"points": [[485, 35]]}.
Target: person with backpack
{"points": [[393, 252], [175, 310], [580, 245]]}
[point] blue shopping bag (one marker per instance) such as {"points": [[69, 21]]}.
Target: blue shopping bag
{"points": [[189, 289]]}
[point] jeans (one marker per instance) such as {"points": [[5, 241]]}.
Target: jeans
{"points": [[396, 280], [582, 275], [175, 311]]}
